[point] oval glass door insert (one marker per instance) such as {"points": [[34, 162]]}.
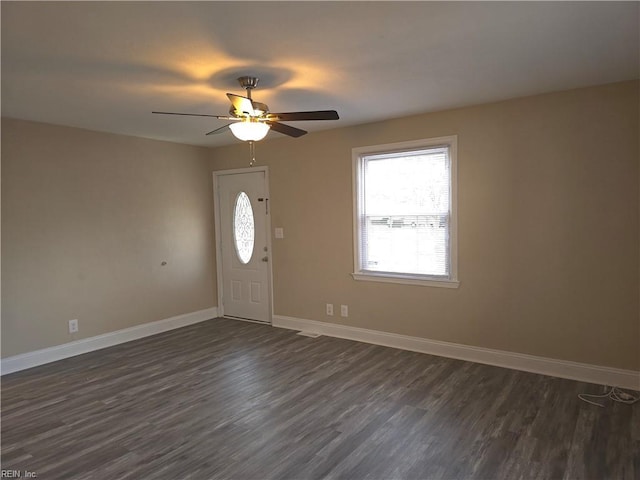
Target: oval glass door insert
{"points": [[243, 228]]}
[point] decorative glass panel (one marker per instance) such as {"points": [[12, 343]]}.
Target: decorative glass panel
{"points": [[243, 228]]}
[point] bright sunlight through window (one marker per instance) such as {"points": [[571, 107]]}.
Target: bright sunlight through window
{"points": [[405, 223]]}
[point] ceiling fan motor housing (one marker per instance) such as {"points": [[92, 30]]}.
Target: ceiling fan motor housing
{"points": [[249, 83]]}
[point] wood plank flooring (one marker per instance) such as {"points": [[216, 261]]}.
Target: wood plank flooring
{"points": [[234, 400]]}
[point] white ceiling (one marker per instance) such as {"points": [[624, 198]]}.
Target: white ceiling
{"points": [[105, 66]]}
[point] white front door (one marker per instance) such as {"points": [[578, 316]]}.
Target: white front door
{"points": [[243, 229]]}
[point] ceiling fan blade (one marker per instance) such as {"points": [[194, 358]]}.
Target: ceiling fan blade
{"points": [[241, 104], [193, 115], [286, 129], [218, 130], [315, 115]]}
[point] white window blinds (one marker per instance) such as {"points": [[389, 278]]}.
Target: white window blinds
{"points": [[405, 212]]}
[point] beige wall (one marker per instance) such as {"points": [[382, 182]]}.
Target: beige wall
{"points": [[549, 211], [548, 227], [87, 219]]}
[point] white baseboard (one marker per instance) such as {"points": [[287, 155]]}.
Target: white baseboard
{"points": [[583, 372], [85, 345], [629, 379]]}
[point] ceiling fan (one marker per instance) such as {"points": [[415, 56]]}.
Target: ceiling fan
{"points": [[251, 120]]}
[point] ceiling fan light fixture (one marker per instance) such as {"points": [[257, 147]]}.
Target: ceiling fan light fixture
{"points": [[249, 130]]}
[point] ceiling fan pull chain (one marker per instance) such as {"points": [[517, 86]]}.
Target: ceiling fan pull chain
{"points": [[252, 153]]}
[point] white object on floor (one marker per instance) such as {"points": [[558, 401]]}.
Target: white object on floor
{"points": [[309, 334]]}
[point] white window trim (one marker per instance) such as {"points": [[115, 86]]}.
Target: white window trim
{"points": [[408, 279]]}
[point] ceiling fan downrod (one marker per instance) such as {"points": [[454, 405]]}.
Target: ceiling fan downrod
{"points": [[248, 83]]}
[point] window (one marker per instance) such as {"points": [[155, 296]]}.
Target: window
{"points": [[405, 212]]}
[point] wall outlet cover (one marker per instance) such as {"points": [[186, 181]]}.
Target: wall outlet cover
{"points": [[73, 326]]}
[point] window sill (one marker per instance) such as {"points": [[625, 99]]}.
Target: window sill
{"points": [[407, 280]]}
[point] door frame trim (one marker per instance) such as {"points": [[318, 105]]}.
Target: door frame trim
{"points": [[218, 230]]}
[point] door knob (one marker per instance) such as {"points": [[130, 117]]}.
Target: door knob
{"points": [[265, 259]]}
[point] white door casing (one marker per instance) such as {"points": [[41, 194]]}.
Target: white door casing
{"points": [[241, 200]]}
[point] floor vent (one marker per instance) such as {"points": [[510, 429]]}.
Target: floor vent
{"points": [[309, 334]]}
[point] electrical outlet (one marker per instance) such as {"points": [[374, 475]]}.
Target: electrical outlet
{"points": [[73, 326], [329, 308], [344, 310]]}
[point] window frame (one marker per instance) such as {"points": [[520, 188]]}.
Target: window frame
{"points": [[358, 158]]}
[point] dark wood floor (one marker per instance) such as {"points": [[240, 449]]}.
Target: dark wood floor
{"points": [[236, 400]]}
